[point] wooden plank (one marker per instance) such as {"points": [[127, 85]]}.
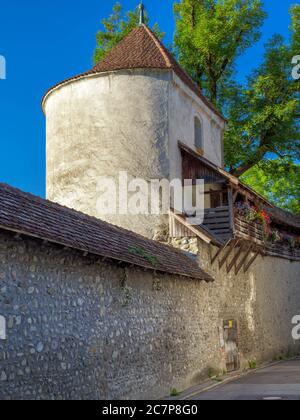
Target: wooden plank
{"points": [[220, 231], [227, 254], [243, 260], [249, 231], [177, 230], [223, 213], [217, 216], [248, 265], [251, 234], [217, 209], [235, 194], [191, 228], [216, 221], [251, 224], [235, 259], [214, 192], [231, 211], [224, 235], [279, 255], [250, 227], [250, 238], [213, 226], [220, 251], [209, 220]]}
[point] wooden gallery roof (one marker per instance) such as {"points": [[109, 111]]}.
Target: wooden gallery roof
{"points": [[216, 173]]}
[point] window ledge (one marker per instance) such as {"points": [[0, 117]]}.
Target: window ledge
{"points": [[200, 151]]}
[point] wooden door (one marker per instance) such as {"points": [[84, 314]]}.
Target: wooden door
{"points": [[231, 345]]}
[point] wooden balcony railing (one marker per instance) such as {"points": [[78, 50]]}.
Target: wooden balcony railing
{"points": [[224, 223], [218, 220], [283, 251], [252, 231]]}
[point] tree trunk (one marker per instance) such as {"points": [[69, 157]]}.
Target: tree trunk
{"points": [[259, 155], [213, 88]]}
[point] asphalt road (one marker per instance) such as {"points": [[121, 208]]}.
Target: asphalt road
{"points": [[281, 381]]}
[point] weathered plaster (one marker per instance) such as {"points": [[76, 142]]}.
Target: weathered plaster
{"points": [[99, 126], [184, 107], [121, 121]]}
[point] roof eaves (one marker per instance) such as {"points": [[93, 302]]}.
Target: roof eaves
{"points": [[29, 215]]}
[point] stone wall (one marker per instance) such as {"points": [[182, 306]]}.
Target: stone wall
{"points": [[79, 328], [263, 302]]}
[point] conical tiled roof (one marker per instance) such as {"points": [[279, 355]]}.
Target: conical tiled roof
{"points": [[141, 49]]}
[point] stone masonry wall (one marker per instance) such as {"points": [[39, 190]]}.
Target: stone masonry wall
{"points": [[79, 328]]}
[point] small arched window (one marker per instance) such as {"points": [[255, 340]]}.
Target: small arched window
{"points": [[199, 135], [2, 328]]}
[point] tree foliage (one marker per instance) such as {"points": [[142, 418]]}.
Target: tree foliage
{"points": [[116, 27], [263, 113], [278, 181], [211, 34], [262, 141]]}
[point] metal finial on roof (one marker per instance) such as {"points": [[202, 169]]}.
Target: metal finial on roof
{"points": [[142, 13]]}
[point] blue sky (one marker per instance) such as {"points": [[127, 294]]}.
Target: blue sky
{"points": [[45, 42]]}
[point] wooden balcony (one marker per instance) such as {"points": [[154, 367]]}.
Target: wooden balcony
{"points": [[254, 232], [219, 221], [251, 231], [222, 225]]}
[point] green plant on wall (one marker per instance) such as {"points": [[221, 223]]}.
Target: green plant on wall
{"points": [[126, 290], [156, 285], [140, 252], [252, 364], [174, 393]]}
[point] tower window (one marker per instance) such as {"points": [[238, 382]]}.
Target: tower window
{"points": [[199, 135]]}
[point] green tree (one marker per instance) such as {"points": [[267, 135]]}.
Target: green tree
{"points": [[116, 27], [211, 34], [295, 28], [278, 181], [264, 114]]}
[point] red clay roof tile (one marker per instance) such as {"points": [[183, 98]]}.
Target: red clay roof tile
{"points": [[141, 49], [33, 216]]}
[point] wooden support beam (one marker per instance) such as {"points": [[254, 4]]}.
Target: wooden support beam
{"points": [[243, 260], [231, 211], [227, 254], [235, 259], [234, 197], [195, 231], [213, 259], [248, 265]]}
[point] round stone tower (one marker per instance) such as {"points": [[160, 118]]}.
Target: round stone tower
{"points": [[126, 115], [112, 119]]}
